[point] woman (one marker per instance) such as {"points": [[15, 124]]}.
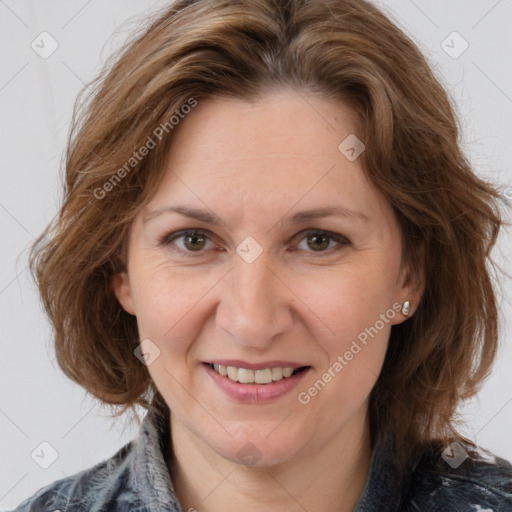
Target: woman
{"points": [[272, 241]]}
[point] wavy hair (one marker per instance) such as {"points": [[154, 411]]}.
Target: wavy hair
{"points": [[346, 50]]}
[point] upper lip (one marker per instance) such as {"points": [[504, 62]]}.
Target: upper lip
{"points": [[238, 363]]}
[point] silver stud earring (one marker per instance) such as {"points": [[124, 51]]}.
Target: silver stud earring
{"points": [[406, 308]]}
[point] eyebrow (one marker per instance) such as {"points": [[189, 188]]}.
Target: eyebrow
{"points": [[297, 218]]}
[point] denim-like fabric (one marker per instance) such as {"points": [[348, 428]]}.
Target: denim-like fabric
{"points": [[136, 479]]}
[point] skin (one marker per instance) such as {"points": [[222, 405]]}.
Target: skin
{"points": [[253, 165]]}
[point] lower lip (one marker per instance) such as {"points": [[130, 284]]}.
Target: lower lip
{"points": [[255, 393]]}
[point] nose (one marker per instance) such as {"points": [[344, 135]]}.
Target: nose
{"points": [[255, 305]]}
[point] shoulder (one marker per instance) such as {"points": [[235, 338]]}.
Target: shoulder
{"points": [[481, 482], [105, 482]]}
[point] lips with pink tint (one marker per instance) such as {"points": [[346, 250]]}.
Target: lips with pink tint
{"points": [[255, 393]]}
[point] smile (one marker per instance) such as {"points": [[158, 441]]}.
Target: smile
{"points": [[262, 383], [248, 376]]}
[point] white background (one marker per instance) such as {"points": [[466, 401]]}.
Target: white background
{"points": [[37, 403]]}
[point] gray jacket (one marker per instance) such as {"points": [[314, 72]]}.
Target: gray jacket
{"points": [[136, 479]]}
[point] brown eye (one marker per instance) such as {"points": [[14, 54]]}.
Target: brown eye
{"points": [[194, 241], [318, 242], [187, 242]]}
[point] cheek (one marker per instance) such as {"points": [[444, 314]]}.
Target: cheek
{"points": [[346, 301], [351, 322], [354, 347], [170, 303]]}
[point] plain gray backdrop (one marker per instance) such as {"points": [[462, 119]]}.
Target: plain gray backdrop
{"points": [[469, 43]]}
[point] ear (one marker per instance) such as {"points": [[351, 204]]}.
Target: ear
{"points": [[120, 284], [411, 285]]}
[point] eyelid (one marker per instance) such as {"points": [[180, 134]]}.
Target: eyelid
{"points": [[341, 240], [168, 238]]}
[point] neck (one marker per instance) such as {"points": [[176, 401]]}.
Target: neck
{"points": [[329, 478]]}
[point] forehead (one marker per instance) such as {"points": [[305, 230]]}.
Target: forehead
{"points": [[279, 150], [278, 124]]}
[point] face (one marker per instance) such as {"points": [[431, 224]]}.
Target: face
{"points": [[265, 248]]}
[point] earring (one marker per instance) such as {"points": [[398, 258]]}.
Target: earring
{"points": [[406, 308]]}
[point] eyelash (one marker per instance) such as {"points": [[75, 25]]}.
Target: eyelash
{"points": [[167, 240]]}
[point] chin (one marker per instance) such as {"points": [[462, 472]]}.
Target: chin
{"points": [[251, 456], [258, 450]]}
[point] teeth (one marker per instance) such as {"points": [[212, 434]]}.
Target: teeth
{"points": [[247, 376], [287, 372], [232, 373], [277, 373], [263, 376]]}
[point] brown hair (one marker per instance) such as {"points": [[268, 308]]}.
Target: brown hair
{"points": [[343, 50]]}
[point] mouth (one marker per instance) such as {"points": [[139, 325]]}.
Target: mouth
{"points": [[259, 376]]}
